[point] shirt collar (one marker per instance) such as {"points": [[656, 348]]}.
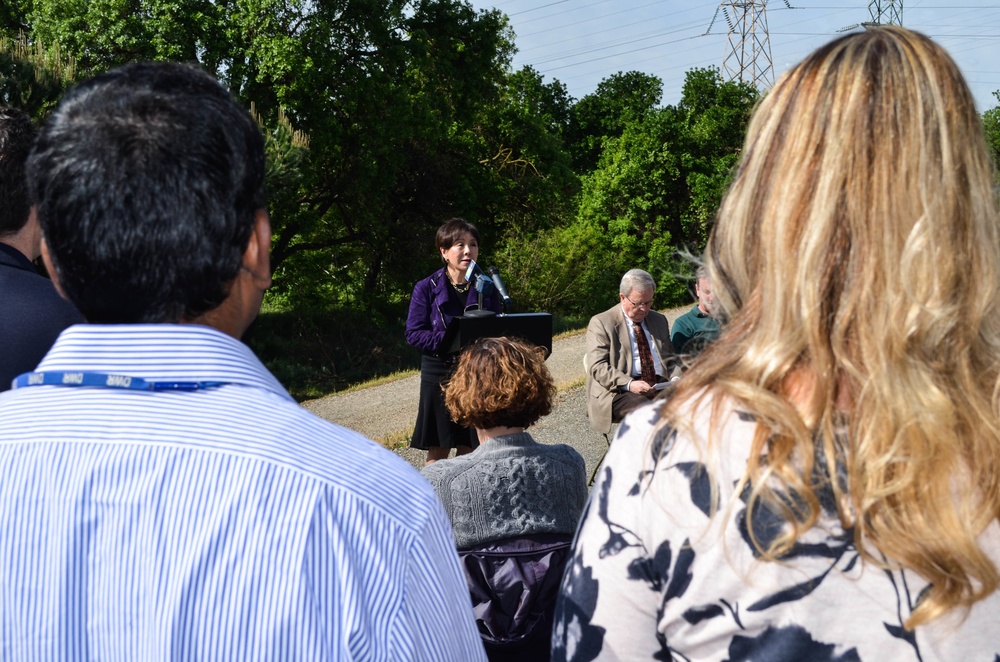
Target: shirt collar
{"points": [[628, 320], [15, 258], [159, 352]]}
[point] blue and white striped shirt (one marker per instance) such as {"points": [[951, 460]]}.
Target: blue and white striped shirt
{"points": [[222, 524]]}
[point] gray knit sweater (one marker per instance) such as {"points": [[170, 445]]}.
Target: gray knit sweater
{"points": [[511, 486]]}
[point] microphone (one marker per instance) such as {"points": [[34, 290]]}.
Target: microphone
{"points": [[484, 287], [483, 283], [501, 290], [472, 269]]}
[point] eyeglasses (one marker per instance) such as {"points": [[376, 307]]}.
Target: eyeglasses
{"points": [[640, 304]]}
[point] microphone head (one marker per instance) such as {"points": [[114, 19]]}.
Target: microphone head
{"points": [[492, 270], [471, 270], [484, 285]]}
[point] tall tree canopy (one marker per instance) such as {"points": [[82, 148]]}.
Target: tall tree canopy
{"points": [[652, 195], [385, 117], [657, 186], [619, 100], [389, 94]]}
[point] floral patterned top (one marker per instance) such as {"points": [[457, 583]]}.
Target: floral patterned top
{"points": [[655, 576]]}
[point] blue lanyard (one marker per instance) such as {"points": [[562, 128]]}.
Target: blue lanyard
{"points": [[104, 380]]}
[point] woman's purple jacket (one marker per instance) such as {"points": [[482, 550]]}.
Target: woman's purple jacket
{"points": [[431, 310]]}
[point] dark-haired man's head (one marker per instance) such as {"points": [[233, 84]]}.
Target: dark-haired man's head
{"points": [[17, 134], [148, 182]]}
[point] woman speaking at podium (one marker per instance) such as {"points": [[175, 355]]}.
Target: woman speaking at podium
{"points": [[436, 300]]}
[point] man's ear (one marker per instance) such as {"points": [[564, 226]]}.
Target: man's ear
{"points": [[257, 256], [50, 268]]}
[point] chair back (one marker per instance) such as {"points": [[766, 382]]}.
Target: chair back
{"points": [[514, 584]]}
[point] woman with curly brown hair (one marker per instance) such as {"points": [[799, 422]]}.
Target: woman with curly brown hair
{"points": [[511, 485], [514, 503], [824, 483]]}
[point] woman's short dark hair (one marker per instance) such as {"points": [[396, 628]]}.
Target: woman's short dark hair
{"points": [[500, 382], [452, 230]]}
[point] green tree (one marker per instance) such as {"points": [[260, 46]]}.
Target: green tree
{"points": [[14, 18], [991, 125], [619, 100], [32, 77], [395, 147], [654, 192], [535, 185], [104, 33], [390, 94], [715, 117], [527, 161], [524, 133]]}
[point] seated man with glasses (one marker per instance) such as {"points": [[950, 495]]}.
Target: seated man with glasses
{"points": [[628, 353]]}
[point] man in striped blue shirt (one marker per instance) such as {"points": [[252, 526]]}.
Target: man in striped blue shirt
{"points": [[163, 498]]}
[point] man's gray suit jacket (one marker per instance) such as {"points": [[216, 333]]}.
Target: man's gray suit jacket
{"points": [[609, 359]]}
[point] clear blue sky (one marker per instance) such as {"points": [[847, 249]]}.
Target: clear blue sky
{"points": [[580, 42]]}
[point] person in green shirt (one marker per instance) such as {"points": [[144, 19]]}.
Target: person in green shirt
{"points": [[695, 329]]}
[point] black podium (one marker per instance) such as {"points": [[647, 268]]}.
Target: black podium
{"points": [[535, 328]]}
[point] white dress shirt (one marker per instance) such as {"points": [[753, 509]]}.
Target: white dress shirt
{"points": [[220, 524], [636, 364]]}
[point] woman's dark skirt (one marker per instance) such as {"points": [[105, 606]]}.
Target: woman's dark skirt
{"points": [[434, 425]]}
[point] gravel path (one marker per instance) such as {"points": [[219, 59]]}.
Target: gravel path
{"points": [[386, 412]]}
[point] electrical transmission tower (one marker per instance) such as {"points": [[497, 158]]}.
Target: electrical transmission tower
{"points": [[748, 45], [886, 12], [889, 10]]}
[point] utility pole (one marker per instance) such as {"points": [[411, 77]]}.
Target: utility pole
{"points": [[748, 45], [886, 12]]}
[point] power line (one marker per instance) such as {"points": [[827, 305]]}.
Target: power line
{"points": [[636, 50], [592, 49], [581, 42], [600, 17], [528, 11], [577, 8]]}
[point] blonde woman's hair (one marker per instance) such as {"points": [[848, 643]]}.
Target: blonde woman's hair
{"points": [[856, 261]]}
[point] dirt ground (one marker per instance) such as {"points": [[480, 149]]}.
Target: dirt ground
{"points": [[387, 412]]}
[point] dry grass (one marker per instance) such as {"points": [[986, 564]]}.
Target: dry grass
{"points": [[378, 381], [565, 386], [568, 334], [395, 440]]}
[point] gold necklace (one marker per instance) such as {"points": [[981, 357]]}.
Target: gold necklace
{"points": [[461, 289]]}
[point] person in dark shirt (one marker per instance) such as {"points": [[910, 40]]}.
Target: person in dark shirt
{"points": [[32, 314], [436, 301], [695, 329]]}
